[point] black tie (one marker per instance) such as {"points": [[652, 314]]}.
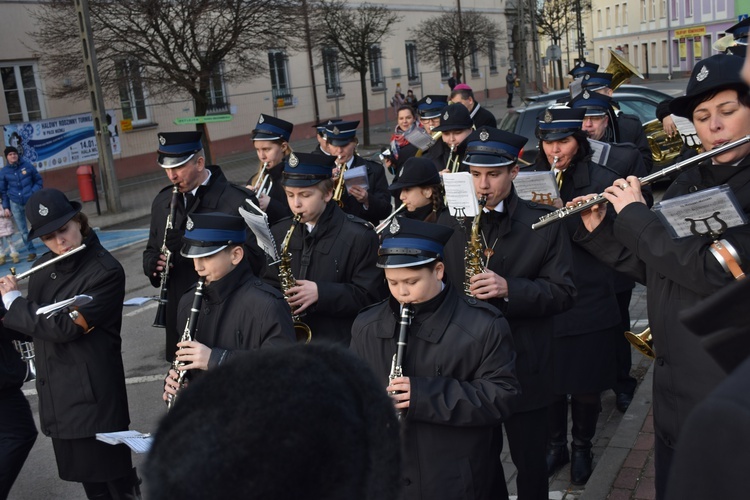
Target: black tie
{"points": [[189, 197]]}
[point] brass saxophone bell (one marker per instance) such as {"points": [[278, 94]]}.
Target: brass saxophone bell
{"points": [[643, 341]]}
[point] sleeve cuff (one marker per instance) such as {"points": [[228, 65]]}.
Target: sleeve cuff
{"points": [[9, 297]]}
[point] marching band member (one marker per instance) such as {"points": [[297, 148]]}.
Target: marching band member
{"points": [[271, 140], [680, 273], [583, 344], [372, 204], [201, 188], [457, 378], [528, 277], [420, 190], [428, 109], [332, 253], [227, 327], [80, 377], [455, 125], [320, 135]]}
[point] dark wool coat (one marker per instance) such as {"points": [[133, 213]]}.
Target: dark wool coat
{"points": [[481, 117], [339, 256], [278, 207], [460, 363], [217, 196], [678, 274], [239, 313], [536, 265], [80, 377]]}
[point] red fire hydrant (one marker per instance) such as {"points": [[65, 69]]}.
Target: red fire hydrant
{"points": [[86, 185]]}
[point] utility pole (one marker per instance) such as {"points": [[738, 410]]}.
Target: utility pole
{"points": [[523, 71], [579, 29], [308, 40], [98, 113], [462, 41], [535, 48]]}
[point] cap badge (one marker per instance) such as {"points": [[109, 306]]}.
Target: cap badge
{"points": [[484, 135], [293, 161], [582, 64], [586, 94], [260, 120], [445, 116], [547, 117], [330, 122], [395, 227], [43, 211], [189, 225], [702, 74], [336, 131], [162, 140], [428, 100], [587, 76]]}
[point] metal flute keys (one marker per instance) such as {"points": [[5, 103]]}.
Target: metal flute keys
{"points": [[565, 212], [407, 313]]}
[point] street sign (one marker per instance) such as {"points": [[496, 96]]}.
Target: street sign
{"points": [[192, 120], [554, 52]]}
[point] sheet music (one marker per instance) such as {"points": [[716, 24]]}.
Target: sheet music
{"points": [[601, 151], [539, 187], [51, 309], [257, 220], [139, 442], [702, 213], [460, 194], [419, 138], [356, 176]]}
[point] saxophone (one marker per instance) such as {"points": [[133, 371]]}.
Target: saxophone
{"points": [[161, 311], [407, 313], [473, 257], [187, 335], [287, 281]]}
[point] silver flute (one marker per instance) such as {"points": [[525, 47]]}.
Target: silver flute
{"points": [[581, 206]]}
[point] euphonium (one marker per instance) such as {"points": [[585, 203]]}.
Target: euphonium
{"points": [[338, 193], [263, 183], [187, 335], [161, 311], [287, 281], [26, 350], [407, 313], [473, 257]]}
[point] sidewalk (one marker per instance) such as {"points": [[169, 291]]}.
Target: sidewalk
{"points": [[623, 445]]}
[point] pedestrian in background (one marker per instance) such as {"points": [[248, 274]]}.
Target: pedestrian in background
{"points": [[510, 86], [7, 230], [19, 179]]}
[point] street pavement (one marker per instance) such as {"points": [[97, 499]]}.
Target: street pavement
{"points": [[623, 445]]}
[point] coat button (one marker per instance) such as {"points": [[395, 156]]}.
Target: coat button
{"points": [[53, 276], [45, 432], [41, 381], [660, 361]]}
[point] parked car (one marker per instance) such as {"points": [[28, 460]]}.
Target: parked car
{"points": [[654, 95], [522, 121]]}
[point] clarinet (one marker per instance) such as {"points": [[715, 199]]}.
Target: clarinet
{"points": [[187, 335], [161, 311], [407, 313]]}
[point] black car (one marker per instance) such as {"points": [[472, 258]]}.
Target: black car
{"points": [[656, 96], [522, 121]]}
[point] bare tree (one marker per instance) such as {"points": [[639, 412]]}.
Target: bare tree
{"points": [[456, 36], [172, 47], [556, 18], [353, 32]]}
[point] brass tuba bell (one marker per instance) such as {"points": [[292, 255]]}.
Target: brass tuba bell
{"points": [[620, 69], [643, 341]]}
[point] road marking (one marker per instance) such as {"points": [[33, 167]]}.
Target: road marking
{"points": [[150, 305], [128, 381]]}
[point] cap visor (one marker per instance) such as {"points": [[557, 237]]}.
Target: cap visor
{"points": [[476, 160], [56, 224], [555, 136], [338, 142], [394, 261], [173, 161], [300, 182], [444, 128], [263, 136], [194, 251]]}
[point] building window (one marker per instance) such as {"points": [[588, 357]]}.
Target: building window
{"points": [[132, 92], [644, 11], [492, 54], [625, 14], [412, 68], [376, 67], [21, 89], [331, 72], [281, 90], [474, 60], [608, 15], [688, 8], [445, 63], [653, 10], [617, 16], [217, 98], [599, 22]]}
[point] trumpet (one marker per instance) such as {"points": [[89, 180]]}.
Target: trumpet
{"points": [[379, 229], [453, 161], [263, 183], [338, 193], [581, 206]]}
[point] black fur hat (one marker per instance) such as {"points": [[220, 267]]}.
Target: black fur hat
{"points": [[306, 422]]}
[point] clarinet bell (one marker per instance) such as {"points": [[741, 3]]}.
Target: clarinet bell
{"points": [[160, 321]]}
